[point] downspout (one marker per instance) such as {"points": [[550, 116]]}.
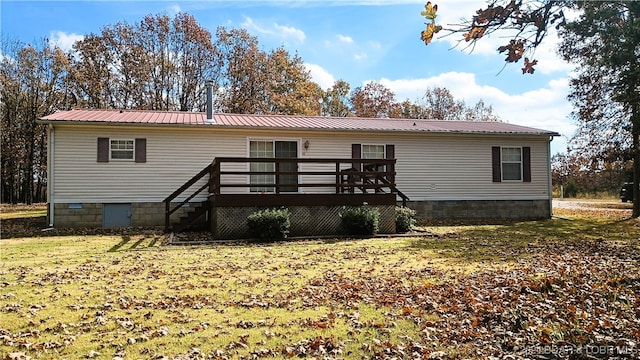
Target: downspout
{"points": [[549, 180], [50, 174]]}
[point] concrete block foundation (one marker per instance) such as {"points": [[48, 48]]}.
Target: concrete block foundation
{"points": [[482, 209]]}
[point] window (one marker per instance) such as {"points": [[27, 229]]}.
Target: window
{"points": [[511, 163], [369, 151], [273, 149], [121, 149], [372, 151], [261, 149]]}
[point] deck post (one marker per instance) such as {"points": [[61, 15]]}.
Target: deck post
{"points": [[214, 187], [167, 214], [277, 170]]}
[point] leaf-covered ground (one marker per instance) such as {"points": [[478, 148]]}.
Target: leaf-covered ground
{"points": [[561, 288]]}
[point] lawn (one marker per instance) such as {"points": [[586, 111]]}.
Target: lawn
{"points": [[540, 288]]}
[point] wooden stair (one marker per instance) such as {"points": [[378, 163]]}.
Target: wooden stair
{"points": [[195, 218]]}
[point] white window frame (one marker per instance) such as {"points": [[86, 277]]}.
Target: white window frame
{"points": [[132, 150], [384, 151], [253, 188], [504, 161]]}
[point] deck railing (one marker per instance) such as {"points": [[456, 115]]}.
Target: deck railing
{"points": [[186, 186], [341, 175]]}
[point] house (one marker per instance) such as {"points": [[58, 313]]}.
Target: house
{"points": [[122, 167]]}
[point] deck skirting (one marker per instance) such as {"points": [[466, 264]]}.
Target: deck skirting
{"points": [[230, 222]]}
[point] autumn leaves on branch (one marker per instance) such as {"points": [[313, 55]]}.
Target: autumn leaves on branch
{"points": [[530, 28]]}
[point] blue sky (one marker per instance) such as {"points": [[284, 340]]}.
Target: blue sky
{"points": [[354, 40]]}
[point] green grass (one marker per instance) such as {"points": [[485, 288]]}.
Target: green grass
{"points": [[103, 296], [22, 211]]}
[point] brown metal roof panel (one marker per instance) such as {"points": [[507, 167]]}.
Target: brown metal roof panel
{"points": [[299, 122]]}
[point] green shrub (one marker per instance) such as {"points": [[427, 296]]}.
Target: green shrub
{"points": [[571, 189], [360, 221], [404, 219], [269, 224]]}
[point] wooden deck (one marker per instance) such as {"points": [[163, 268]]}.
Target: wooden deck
{"points": [[327, 182]]}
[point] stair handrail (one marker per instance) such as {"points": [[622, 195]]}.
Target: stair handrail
{"points": [[393, 188], [167, 201]]}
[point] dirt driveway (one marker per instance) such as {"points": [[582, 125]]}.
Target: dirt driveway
{"points": [[588, 204]]}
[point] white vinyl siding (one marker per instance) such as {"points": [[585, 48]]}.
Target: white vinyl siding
{"points": [[429, 166], [173, 157]]}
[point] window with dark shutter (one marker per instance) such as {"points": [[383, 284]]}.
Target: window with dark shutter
{"points": [[122, 150], [511, 163]]}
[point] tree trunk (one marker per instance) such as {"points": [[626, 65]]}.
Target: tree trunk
{"points": [[635, 131]]}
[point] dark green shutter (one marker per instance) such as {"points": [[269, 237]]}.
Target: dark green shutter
{"points": [[103, 149], [141, 150], [495, 162], [526, 164]]}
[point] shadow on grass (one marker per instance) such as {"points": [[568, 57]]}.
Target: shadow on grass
{"points": [[143, 242], [124, 241], [510, 242]]}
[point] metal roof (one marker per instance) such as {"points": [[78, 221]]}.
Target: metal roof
{"points": [[289, 122]]}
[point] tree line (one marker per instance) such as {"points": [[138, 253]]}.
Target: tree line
{"points": [[163, 63]]}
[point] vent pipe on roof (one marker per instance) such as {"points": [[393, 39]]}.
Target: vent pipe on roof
{"points": [[209, 85]]}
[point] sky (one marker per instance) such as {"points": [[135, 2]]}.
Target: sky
{"points": [[357, 41]]}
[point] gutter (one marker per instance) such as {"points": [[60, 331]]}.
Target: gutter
{"points": [[298, 128]]}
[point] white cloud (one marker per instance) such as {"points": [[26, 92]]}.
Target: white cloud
{"points": [[360, 56], [284, 33], [320, 76], [174, 9], [545, 108], [375, 45], [64, 40], [289, 32], [345, 39]]}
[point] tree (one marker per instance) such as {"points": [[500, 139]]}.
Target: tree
{"points": [[480, 112], [602, 42], [410, 110], [439, 103], [256, 82], [32, 82], [335, 101], [90, 74], [586, 173], [289, 88], [243, 78], [442, 105], [160, 63], [374, 100]]}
